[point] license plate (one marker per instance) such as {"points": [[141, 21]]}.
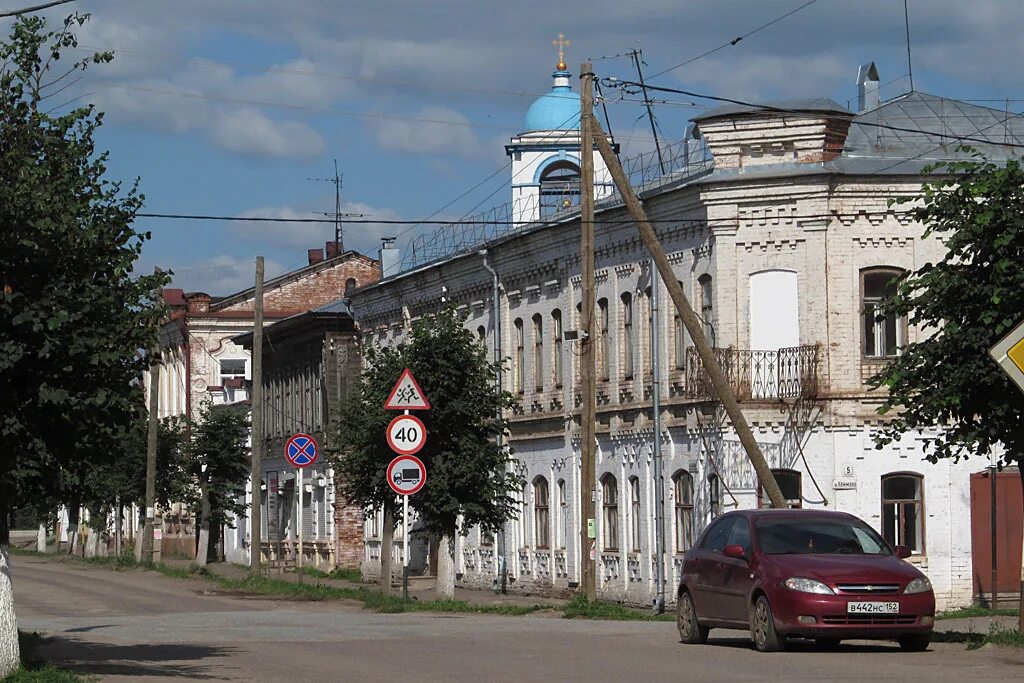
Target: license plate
{"points": [[872, 607]]}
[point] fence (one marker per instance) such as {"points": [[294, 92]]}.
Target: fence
{"points": [[757, 375]]}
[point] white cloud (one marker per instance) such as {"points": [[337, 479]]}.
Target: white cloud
{"points": [[436, 129], [221, 275], [249, 131]]}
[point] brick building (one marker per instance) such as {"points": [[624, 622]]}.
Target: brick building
{"points": [[777, 223], [200, 361]]}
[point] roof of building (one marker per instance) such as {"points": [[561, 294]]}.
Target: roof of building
{"points": [[332, 315], [555, 110], [336, 306], [808, 105]]}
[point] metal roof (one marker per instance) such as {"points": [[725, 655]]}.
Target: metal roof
{"points": [[808, 105], [336, 306]]}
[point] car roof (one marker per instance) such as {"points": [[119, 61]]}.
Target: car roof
{"points": [[790, 512]]}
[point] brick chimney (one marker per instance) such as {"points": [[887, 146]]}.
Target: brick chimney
{"points": [[332, 249], [315, 256], [198, 302]]}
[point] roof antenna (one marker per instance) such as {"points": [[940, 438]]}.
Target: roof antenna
{"points": [[910, 65]]}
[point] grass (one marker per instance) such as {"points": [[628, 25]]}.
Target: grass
{"points": [[967, 612], [580, 608], [338, 573], [33, 669], [997, 635]]}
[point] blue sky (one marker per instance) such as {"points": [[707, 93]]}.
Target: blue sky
{"points": [[228, 106]]}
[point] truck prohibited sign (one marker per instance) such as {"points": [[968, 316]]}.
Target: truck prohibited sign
{"points": [[406, 435], [406, 475]]}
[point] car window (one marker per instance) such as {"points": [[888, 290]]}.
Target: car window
{"points": [[740, 534], [818, 536], [718, 534]]}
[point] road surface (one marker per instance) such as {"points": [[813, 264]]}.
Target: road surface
{"points": [[141, 626]]}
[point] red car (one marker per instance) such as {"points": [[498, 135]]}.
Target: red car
{"points": [[802, 573]]}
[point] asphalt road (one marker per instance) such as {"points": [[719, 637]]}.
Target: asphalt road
{"points": [[140, 626]]}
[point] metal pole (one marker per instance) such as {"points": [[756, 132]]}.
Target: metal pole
{"points": [[298, 515], [256, 432], [154, 404], [659, 478], [405, 546], [117, 525], [995, 590], [499, 438]]}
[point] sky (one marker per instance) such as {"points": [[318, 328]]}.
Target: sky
{"points": [[237, 107]]}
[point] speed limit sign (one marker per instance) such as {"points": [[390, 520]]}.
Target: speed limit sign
{"points": [[406, 435]]}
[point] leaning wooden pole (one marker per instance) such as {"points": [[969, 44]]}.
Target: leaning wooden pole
{"points": [[689, 318], [256, 429]]}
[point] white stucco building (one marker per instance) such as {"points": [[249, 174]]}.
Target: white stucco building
{"points": [[784, 241]]}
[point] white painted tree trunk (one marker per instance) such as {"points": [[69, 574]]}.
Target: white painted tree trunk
{"points": [[138, 543], [204, 529], [446, 567], [41, 539], [9, 655], [92, 543], [387, 544]]}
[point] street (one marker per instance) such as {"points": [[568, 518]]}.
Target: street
{"points": [[140, 626]]}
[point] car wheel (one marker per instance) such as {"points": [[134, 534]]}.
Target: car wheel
{"points": [[915, 642], [762, 627], [690, 631]]}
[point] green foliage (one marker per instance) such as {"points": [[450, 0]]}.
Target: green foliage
{"points": [[581, 608], [965, 302], [969, 612], [73, 315], [468, 475]]}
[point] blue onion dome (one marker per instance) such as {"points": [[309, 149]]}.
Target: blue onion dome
{"points": [[556, 110]]}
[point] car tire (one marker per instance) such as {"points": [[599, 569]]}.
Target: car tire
{"points": [[762, 627], [690, 631], [915, 642]]}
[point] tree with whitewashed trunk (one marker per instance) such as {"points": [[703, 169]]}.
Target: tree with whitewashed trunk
{"points": [[73, 315]]}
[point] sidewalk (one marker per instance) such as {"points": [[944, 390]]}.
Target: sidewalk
{"points": [[418, 590], [978, 625]]}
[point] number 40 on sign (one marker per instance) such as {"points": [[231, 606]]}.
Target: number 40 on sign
{"points": [[406, 435]]}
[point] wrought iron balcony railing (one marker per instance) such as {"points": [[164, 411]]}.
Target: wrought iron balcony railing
{"points": [[758, 375]]}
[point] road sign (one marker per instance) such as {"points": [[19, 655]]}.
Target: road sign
{"points": [[406, 435], [301, 450], [406, 394], [1009, 353], [406, 475]]}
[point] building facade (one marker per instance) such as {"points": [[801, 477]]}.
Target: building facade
{"points": [[785, 242]]}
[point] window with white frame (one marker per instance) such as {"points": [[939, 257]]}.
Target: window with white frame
{"points": [[714, 495], [538, 352], [518, 366], [903, 510], [627, 335], [556, 357], [610, 513], [707, 307], [602, 347], [635, 525], [231, 368], [682, 489], [790, 483], [562, 522], [541, 513], [884, 331]]}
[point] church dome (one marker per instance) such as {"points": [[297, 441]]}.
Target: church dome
{"points": [[556, 110]]}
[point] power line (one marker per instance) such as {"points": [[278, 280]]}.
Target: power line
{"points": [[34, 8], [737, 39], [826, 115]]}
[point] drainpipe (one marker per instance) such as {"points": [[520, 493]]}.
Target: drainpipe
{"points": [[496, 327], [659, 479]]}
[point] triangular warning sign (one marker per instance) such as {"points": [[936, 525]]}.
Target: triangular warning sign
{"points": [[406, 394]]}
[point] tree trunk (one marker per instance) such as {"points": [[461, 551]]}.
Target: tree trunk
{"points": [[73, 521], [92, 543], [138, 541], [41, 539], [9, 656], [446, 566], [203, 549], [387, 544]]}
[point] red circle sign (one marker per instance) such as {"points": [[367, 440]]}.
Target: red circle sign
{"points": [[406, 475], [406, 435], [301, 450]]}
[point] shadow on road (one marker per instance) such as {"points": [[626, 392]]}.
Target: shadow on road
{"points": [[799, 645], [172, 660]]}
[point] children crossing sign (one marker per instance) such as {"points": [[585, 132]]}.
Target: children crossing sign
{"points": [[406, 394]]}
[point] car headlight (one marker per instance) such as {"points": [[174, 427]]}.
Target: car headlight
{"points": [[918, 585], [802, 585]]}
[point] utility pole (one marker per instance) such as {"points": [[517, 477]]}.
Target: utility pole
{"points": [[338, 181], [638, 59], [588, 366], [689, 318], [147, 543], [256, 429], [659, 476]]}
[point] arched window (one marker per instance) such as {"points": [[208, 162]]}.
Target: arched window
{"points": [[627, 336], [518, 370], [562, 522], [350, 284], [790, 482], [524, 519], [556, 357], [707, 307], [559, 188], [634, 514], [682, 487], [903, 510], [714, 495], [884, 334], [481, 335], [541, 512], [538, 352], [610, 513], [602, 347]]}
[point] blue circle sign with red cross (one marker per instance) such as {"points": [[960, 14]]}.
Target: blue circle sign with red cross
{"points": [[301, 450]]}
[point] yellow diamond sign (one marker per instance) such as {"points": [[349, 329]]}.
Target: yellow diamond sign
{"points": [[1009, 353]]}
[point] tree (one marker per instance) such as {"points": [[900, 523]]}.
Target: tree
{"points": [[965, 303], [469, 478], [73, 316]]}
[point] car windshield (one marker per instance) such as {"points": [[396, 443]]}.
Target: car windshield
{"points": [[818, 536]]}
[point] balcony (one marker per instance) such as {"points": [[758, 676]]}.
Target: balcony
{"points": [[757, 375]]}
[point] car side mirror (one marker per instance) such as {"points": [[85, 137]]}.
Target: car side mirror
{"points": [[735, 551], [903, 552]]}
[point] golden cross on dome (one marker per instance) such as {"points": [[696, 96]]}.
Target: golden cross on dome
{"points": [[561, 44]]}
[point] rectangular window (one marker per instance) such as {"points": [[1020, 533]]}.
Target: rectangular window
{"points": [[903, 511], [627, 336], [610, 516], [883, 331], [563, 515], [602, 347], [538, 352], [518, 369], [634, 514], [232, 367], [707, 308], [556, 333], [679, 343], [542, 518], [683, 490]]}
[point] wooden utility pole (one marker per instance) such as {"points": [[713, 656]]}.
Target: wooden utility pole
{"points": [[256, 429], [588, 369], [146, 553], [689, 318]]}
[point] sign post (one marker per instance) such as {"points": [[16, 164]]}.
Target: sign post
{"points": [[406, 436], [301, 451]]}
